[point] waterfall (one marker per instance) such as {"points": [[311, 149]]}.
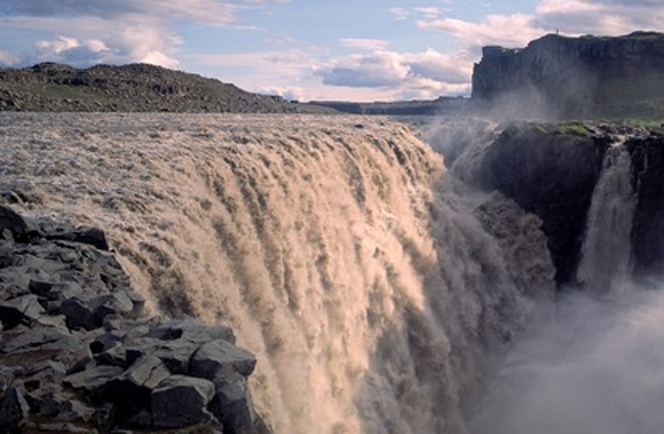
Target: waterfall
{"points": [[366, 280], [606, 253]]}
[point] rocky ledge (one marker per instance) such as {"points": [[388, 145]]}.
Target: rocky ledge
{"points": [[77, 353]]}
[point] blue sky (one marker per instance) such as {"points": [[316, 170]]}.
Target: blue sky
{"points": [[363, 50]]}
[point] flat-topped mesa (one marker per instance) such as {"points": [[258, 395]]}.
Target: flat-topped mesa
{"points": [[565, 77]]}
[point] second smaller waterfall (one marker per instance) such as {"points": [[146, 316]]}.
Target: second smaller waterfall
{"points": [[606, 252]]}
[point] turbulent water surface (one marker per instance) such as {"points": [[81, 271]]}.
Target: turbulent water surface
{"points": [[366, 279]]}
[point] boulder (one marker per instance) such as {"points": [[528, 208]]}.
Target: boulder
{"points": [[192, 330], [232, 406], [220, 359], [12, 222], [94, 378], [181, 401]]}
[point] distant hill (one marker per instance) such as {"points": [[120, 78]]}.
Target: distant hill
{"points": [[129, 88], [564, 77], [440, 106]]}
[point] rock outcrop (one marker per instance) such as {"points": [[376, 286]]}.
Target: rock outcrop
{"points": [[563, 77], [129, 88], [552, 170], [77, 353]]}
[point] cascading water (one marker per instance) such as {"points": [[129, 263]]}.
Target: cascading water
{"points": [[590, 362], [341, 252], [606, 252]]}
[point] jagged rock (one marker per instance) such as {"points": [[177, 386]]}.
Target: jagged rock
{"points": [[148, 372], [13, 410], [549, 171], [232, 406], [75, 411], [192, 330], [20, 310], [6, 378], [94, 378], [181, 401], [14, 223], [220, 359], [648, 227], [117, 303]]}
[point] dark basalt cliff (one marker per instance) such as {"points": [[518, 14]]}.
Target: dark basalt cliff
{"points": [[563, 77], [129, 88], [552, 171]]}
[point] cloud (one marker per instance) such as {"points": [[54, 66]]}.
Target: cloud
{"points": [[571, 17], [426, 74], [507, 30], [202, 11], [365, 44], [124, 30], [400, 13]]}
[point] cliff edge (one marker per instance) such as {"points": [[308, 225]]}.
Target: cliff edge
{"points": [[568, 77]]}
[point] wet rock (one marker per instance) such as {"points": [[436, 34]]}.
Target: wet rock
{"points": [[220, 359], [181, 401]]}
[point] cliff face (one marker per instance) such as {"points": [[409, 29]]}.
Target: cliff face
{"points": [[562, 77]]}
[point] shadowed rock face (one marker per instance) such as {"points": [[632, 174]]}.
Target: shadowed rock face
{"points": [[551, 173], [561, 77], [648, 177]]}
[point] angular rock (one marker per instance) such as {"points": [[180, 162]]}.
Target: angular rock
{"points": [[13, 410], [232, 406], [75, 411], [220, 359], [20, 310], [191, 329], [79, 313], [11, 221], [94, 378], [117, 303], [181, 401], [147, 372]]}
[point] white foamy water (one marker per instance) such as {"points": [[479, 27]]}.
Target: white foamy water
{"points": [[606, 252], [368, 283]]}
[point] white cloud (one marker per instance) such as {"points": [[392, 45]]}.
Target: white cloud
{"points": [[118, 31], [426, 74], [202, 11], [508, 30], [570, 17], [400, 13], [365, 44]]}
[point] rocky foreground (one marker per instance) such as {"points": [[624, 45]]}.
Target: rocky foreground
{"points": [[77, 353]]}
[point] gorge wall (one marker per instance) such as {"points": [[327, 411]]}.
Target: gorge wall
{"points": [[565, 77]]}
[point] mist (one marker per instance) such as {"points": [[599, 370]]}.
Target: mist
{"points": [[586, 365]]}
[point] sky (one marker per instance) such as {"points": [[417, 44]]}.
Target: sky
{"points": [[359, 50]]}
